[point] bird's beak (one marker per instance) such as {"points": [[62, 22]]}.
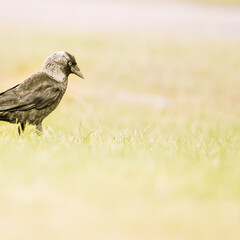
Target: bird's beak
{"points": [[75, 69]]}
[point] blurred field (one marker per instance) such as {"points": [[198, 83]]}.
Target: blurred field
{"points": [[216, 2], [147, 147]]}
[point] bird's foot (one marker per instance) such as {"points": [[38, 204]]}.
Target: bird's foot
{"points": [[39, 129], [21, 128]]}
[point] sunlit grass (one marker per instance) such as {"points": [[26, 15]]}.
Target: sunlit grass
{"points": [[111, 168]]}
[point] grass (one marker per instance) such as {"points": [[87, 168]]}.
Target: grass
{"points": [[107, 168]]}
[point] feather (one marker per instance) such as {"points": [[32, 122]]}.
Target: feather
{"points": [[35, 98]]}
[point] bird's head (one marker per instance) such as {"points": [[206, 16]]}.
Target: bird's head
{"points": [[60, 64]]}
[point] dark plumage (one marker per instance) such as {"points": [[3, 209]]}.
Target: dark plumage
{"points": [[35, 98]]}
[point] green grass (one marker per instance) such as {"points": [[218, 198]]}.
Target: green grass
{"points": [[111, 169]]}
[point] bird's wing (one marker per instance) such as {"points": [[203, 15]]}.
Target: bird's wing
{"points": [[33, 93]]}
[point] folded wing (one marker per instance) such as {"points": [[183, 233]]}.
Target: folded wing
{"points": [[35, 93]]}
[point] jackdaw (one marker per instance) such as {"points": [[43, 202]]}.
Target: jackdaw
{"points": [[35, 98]]}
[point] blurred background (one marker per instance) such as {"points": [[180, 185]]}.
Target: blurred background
{"points": [[147, 146]]}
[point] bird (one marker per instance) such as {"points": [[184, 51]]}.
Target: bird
{"points": [[31, 101]]}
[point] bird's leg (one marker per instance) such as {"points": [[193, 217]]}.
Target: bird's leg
{"points": [[21, 128], [39, 128]]}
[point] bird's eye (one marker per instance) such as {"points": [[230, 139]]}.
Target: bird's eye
{"points": [[70, 63]]}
